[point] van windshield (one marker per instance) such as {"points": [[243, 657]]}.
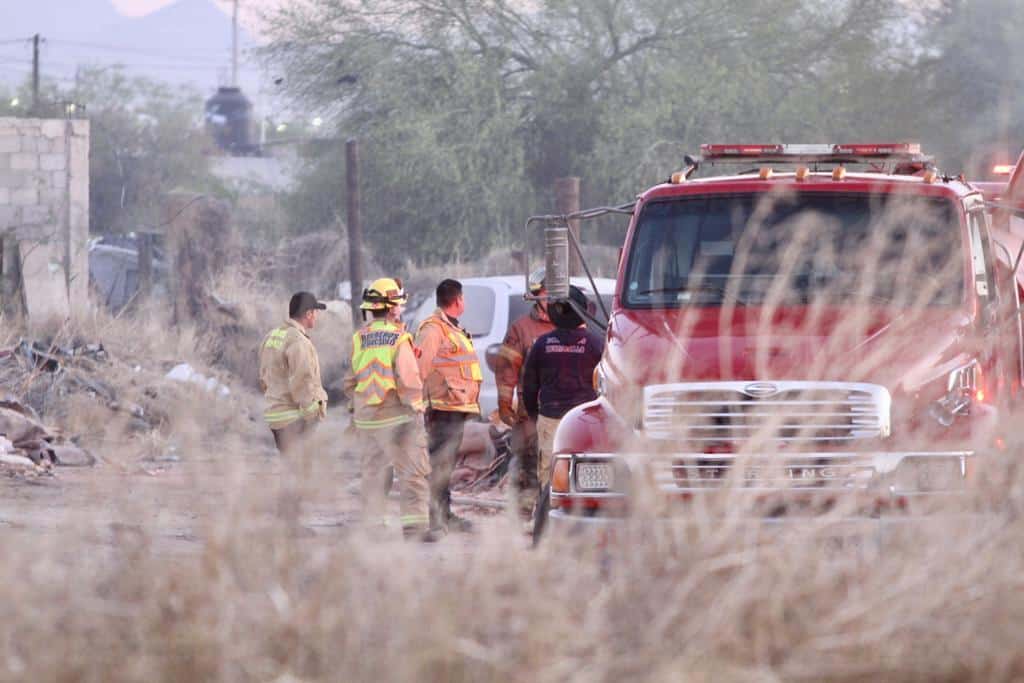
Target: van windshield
{"points": [[794, 249]]}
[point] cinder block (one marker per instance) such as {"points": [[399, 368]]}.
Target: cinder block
{"points": [[52, 197], [36, 215], [30, 144], [24, 196], [53, 128], [8, 217], [5, 196], [52, 162], [59, 179], [9, 143], [24, 161], [12, 179], [80, 127]]}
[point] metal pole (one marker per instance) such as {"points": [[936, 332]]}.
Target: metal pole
{"points": [[145, 265], [234, 45], [355, 228], [567, 201], [35, 74]]}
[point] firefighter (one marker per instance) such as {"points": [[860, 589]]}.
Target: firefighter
{"points": [[451, 378], [559, 373], [507, 372], [290, 375], [387, 405]]}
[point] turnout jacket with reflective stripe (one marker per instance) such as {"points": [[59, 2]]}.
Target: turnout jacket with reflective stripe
{"points": [[290, 376], [384, 382], [448, 365], [509, 363]]}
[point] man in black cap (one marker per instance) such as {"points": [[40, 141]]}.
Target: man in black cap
{"points": [[559, 372], [290, 375]]}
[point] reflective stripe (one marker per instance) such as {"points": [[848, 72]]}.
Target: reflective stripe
{"points": [[455, 407], [461, 355], [509, 354], [282, 416], [375, 367], [414, 520], [380, 424]]}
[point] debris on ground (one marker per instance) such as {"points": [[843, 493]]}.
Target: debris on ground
{"points": [[25, 436], [58, 378], [183, 372]]}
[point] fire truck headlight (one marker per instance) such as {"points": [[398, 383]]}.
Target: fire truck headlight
{"points": [[595, 476]]}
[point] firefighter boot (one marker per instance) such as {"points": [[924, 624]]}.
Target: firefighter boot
{"points": [[422, 535]]}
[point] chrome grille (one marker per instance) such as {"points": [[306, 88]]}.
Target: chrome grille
{"points": [[730, 415]]}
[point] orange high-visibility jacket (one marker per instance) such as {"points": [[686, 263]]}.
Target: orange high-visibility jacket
{"points": [[448, 365]]}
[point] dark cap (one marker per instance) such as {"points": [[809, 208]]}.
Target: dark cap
{"points": [[302, 302], [563, 315]]}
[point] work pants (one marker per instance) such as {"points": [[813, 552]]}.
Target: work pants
{"points": [[289, 438], [290, 441], [445, 429], [546, 427], [403, 447], [523, 437]]}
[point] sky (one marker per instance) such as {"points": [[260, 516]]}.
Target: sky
{"points": [[137, 8]]}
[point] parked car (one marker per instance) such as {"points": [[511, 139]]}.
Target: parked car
{"points": [[492, 304]]}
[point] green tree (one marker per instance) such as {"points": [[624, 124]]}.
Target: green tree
{"points": [[146, 138], [472, 109]]}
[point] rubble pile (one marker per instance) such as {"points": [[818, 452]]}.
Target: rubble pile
{"points": [[44, 378]]}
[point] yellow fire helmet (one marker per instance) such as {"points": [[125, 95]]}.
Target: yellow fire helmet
{"points": [[382, 294], [536, 280]]}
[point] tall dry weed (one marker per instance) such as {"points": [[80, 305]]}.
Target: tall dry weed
{"points": [[233, 564]]}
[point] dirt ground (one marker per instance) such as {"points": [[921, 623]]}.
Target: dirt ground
{"points": [[172, 500]]}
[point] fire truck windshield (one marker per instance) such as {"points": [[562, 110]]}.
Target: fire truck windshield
{"points": [[761, 249]]}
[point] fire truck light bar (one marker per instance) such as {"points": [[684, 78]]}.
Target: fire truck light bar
{"points": [[830, 151], [1002, 169]]}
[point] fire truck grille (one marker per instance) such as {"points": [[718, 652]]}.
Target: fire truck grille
{"points": [[730, 416]]}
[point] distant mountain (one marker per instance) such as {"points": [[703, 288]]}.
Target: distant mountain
{"points": [[188, 41]]}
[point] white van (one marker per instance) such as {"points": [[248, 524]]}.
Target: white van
{"points": [[492, 304]]}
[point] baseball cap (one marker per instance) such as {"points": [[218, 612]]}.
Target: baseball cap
{"points": [[562, 313], [302, 302]]}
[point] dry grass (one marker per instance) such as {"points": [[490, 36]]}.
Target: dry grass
{"points": [[196, 570]]}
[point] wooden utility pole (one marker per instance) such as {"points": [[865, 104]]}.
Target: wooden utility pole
{"points": [[355, 229], [35, 74], [234, 45], [567, 200]]}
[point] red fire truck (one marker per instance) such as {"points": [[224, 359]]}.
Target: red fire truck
{"points": [[820, 323]]}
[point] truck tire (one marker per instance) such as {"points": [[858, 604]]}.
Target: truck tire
{"points": [[540, 514]]}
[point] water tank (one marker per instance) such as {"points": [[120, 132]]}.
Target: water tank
{"points": [[229, 120]]}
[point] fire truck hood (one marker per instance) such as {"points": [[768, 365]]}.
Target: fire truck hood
{"points": [[899, 349]]}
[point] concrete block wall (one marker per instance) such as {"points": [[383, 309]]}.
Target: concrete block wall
{"points": [[44, 213]]}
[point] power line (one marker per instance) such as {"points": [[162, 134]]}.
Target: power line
{"points": [[139, 65], [205, 55]]}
